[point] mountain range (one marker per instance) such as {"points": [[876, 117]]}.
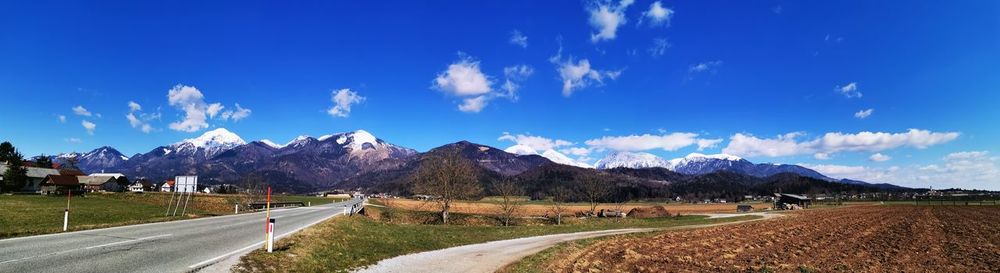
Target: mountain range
{"points": [[359, 160]]}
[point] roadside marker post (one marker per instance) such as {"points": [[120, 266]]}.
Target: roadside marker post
{"points": [[237, 209], [69, 195], [270, 235], [268, 224]]}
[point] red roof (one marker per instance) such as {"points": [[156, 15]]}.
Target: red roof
{"points": [[61, 180]]}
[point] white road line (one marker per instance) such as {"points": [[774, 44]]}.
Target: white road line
{"points": [[129, 241], [260, 244], [85, 248]]}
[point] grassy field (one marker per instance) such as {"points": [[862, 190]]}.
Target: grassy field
{"points": [[23, 215], [346, 243], [543, 208]]}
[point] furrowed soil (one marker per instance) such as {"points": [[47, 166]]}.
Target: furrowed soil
{"points": [[541, 210], [854, 239]]}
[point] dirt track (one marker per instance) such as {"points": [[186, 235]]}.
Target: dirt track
{"points": [[857, 239]]}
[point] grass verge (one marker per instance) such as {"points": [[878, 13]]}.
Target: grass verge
{"points": [[346, 243], [25, 215]]}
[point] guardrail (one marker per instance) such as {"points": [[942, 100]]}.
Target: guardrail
{"points": [[256, 206]]}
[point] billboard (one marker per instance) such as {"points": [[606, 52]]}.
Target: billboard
{"points": [[186, 183]]}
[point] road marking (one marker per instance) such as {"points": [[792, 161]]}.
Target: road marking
{"points": [[85, 248], [205, 262], [129, 241]]}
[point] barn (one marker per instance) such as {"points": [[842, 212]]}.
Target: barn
{"points": [[791, 201]]}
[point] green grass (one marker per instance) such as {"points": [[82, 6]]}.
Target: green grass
{"points": [[346, 243], [24, 215], [316, 201]]}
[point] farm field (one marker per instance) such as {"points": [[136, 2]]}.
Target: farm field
{"points": [[538, 209], [894, 238], [24, 215]]}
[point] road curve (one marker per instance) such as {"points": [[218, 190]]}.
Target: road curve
{"points": [[177, 246], [491, 256]]}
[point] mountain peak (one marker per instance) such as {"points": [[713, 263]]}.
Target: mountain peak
{"points": [[634, 160], [519, 149], [216, 138], [696, 156]]}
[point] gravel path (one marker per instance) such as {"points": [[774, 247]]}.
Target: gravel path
{"points": [[491, 256]]}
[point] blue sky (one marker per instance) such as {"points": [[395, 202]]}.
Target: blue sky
{"points": [[771, 81]]}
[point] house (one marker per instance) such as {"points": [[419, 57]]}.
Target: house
{"points": [[100, 183], [791, 201], [140, 185], [61, 184], [73, 172], [167, 186], [35, 176]]}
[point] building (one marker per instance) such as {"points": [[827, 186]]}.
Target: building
{"points": [[141, 185], [35, 176], [167, 186], [791, 201], [61, 184], [114, 175], [99, 183]]}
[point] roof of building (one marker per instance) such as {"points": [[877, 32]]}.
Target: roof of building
{"points": [[115, 175], [33, 172], [71, 172], [62, 180], [796, 196], [95, 180]]}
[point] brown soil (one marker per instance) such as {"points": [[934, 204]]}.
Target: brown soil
{"points": [[540, 210], [855, 239], [649, 212]]}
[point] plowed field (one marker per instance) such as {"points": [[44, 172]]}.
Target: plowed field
{"points": [[855, 239]]}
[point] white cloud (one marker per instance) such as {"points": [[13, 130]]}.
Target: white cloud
{"points": [[969, 170], [236, 115], [605, 18], [576, 151], [133, 106], [659, 47], [535, 142], [62, 118], [822, 156], [666, 142], [658, 15], [73, 140], [710, 66], [863, 114], [197, 112], [829, 143], [879, 157], [473, 105], [517, 38], [81, 111], [142, 120], [342, 101], [89, 126], [850, 90], [580, 75], [463, 78]]}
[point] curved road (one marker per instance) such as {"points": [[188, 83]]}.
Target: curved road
{"points": [[491, 256], [177, 246]]}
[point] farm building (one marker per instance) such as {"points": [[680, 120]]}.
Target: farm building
{"points": [[791, 201], [99, 183], [35, 176], [60, 184], [167, 186], [141, 185]]}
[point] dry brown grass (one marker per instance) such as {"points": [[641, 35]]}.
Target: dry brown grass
{"points": [[541, 210]]}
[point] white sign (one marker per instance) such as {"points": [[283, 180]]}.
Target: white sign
{"points": [[186, 183]]}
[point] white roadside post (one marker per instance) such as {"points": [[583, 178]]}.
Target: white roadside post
{"points": [[270, 235], [237, 209], [66, 220]]}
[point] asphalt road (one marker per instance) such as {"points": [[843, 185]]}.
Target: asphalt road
{"points": [[177, 246]]}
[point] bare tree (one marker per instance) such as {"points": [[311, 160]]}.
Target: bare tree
{"points": [[253, 190], [594, 190], [559, 196], [508, 192], [447, 177]]}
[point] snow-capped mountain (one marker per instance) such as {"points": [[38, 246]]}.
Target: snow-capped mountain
{"points": [[631, 160], [100, 159], [550, 154], [210, 143], [695, 164]]}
